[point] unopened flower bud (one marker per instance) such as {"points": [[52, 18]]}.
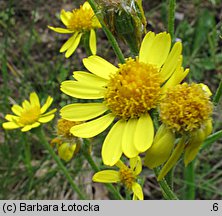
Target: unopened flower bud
{"points": [[126, 20]]}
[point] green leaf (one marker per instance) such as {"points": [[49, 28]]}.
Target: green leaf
{"points": [[205, 63], [205, 24], [63, 74]]}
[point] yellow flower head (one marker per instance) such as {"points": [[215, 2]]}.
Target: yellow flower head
{"points": [[30, 114], [67, 144], [64, 126], [66, 151], [128, 93], [185, 110], [78, 22], [126, 175]]}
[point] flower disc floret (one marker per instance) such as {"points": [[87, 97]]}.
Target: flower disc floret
{"points": [[133, 90], [30, 115], [64, 126], [81, 19], [185, 108], [127, 177]]}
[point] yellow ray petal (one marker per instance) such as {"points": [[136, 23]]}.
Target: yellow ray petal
{"points": [[176, 78], [36, 124], [17, 109], [29, 127], [46, 118], [88, 78], [86, 5], [160, 150], [144, 132], [128, 146], [112, 146], [92, 41], [179, 76], [172, 160], [99, 66], [172, 61], [11, 118], [83, 111], [47, 104], [92, 128], [74, 45], [159, 49], [65, 16], [26, 105], [10, 125], [136, 165], [49, 113], [81, 90], [68, 43], [34, 99], [120, 164], [26, 128], [137, 190], [106, 176], [61, 30], [145, 47], [193, 146], [206, 89]]}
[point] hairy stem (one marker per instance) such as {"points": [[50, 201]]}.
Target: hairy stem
{"points": [[167, 192], [108, 33], [171, 17], [189, 176], [45, 143]]}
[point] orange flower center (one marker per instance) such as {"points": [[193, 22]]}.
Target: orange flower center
{"points": [[30, 116], [127, 177], [82, 19], [185, 108], [133, 90]]}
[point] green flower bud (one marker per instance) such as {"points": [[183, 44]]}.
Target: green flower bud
{"points": [[126, 20]]}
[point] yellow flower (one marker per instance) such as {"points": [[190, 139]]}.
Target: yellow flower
{"points": [[186, 113], [128, 93], [66, 151], [63, 128], [125, 175], [67, 144], [30, 114], [78, 22]]}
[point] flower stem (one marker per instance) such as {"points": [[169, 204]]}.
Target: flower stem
{"points": [[109, 35], [170, 177], [189, 176], [171, 17], [92, 163], [27, 158], [45, 143], [167, 192], [86, 44], [218, 94]]}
